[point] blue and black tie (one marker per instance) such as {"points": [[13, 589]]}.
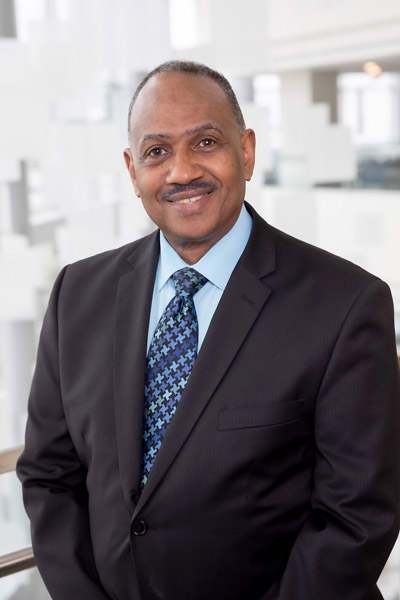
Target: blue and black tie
{"points": [[170, 359]]}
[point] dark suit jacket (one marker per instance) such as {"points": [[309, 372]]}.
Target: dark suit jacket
{"points": [[278, 478]]}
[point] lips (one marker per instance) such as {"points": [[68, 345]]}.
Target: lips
{"points": [[188, 200], [190, 193]]}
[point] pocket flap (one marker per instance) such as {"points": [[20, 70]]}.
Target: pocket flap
{"points": [[259, 415]]}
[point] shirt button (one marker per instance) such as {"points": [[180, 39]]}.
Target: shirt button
{"points": [[139, 527]]}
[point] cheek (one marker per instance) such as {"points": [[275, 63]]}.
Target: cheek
{"points": [[146, 185], [230, 169]]}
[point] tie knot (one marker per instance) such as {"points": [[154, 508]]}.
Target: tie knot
{"points": [[188, 281]]}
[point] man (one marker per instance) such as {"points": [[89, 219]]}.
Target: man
{"points": [[273, 472]]}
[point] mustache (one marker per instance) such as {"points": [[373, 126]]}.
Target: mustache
{"points": [[189, 187]]}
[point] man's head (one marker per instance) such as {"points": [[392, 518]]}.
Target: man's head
{"points": [[190, 155], [187, 66]]}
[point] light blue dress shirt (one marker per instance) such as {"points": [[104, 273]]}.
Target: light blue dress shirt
{"points": [[217, 265]]}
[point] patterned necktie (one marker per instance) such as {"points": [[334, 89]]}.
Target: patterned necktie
{"points": [[170, 359]]}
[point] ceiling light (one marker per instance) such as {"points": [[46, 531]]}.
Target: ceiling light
{"points": [[372, 68]]}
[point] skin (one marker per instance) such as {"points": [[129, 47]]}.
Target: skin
{"points": [[185, 143]]}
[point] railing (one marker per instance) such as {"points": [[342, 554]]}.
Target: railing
{"points": [[16, 561], [21, 559], [8, 459]]}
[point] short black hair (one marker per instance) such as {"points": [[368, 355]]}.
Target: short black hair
{"points": [[187, 66]]}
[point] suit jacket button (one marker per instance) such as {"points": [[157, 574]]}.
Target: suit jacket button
{"points": [[139, 527]]}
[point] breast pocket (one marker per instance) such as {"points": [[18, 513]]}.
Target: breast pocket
{"points": [[259, 415]]}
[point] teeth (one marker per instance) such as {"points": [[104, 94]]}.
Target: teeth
{"points": [[189, 200]]}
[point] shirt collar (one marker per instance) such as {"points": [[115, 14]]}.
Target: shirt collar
{"points": [[217, 265]]}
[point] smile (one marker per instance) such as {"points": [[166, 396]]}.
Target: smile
{"points": [[190, 200]]}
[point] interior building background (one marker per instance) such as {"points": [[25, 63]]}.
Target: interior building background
{"points": [[319, 81]]}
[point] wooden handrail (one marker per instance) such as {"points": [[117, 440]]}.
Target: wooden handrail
{"points": [[16, 561], [8, 459]]}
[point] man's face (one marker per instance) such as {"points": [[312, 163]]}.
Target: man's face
{"points": [[188, 161]]}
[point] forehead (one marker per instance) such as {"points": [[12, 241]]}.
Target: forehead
{"points": [[172, 101]]}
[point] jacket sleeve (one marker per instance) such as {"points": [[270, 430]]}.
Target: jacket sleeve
{"points": [[342, 549], [53, 479]]}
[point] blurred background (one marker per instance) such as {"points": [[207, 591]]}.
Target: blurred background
{"points": [[318, 80]]}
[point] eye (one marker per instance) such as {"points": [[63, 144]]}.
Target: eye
{"points": [[156, 152], [206, 143]]}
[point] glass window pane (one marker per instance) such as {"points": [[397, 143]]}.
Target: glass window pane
{"points": [[14, 524], [26, 585]]}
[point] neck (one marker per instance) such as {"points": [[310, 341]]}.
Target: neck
{"points": [[192, 253]]}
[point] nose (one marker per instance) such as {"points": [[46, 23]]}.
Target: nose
{"points": [[183, 168]]}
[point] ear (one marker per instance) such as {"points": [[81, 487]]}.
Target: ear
{"points": [[129, 165], [248, 143]]}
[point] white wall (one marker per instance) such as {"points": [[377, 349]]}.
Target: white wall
{"points": [[322, 33]]}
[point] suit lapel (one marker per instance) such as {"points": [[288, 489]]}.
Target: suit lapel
{"points": [[131, 326], [239, 307]]}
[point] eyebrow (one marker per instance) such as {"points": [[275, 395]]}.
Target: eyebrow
{"points": [[191, 131]]}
